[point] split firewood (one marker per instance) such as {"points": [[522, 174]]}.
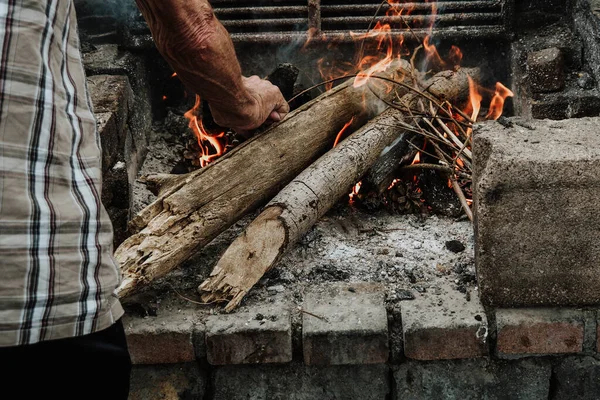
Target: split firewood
{"points": [[296, 209], [193, 209], [448, 86]]}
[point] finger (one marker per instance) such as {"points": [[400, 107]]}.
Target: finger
{"points": [[275, 116]]}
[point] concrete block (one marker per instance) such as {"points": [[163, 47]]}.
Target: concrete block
{"points": [[167, 382], [109, 137], [299, 382], [347, 324], [444, 326], [537, 212], [571, 103], [112, 94], [110, 59], [576, 378], [165, 339], [546, 70], [529, 332], [472, 380], [263, 335]]}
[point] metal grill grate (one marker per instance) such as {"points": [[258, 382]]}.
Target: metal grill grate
{"points": [[273, 21]]}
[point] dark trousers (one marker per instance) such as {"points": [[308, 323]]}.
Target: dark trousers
{"points": [[95, 366]]}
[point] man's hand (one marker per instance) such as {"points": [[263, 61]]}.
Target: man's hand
{"points": [[197, 46], [266, 105]]}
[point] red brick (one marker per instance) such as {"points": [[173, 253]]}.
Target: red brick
{"points": [[160, 340], [347, 324], [444, 326], [262, 335], [527, 332]]}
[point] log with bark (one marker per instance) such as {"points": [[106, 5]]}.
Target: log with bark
{"points": [[296, 209], [191, 210], [451, 86], [309, 196]]}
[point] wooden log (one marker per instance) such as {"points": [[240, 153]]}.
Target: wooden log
{"points": [[296, 209], [446, 85], [193, 209]]}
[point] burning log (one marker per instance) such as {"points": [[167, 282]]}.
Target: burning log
{"points": [[296, 209], [445, 86], [193, 209]]}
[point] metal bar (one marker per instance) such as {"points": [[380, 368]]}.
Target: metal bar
{"points": [[442, 7], [265, 23], [423, 20], [262, 11], [314, 16]]}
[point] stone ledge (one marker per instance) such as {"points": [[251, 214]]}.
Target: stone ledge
{"points": [[263, 336], [531, 332], [444, 326], [347, 324]]}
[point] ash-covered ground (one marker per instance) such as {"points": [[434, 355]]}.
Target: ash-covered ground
{"points": [[410, 254]]}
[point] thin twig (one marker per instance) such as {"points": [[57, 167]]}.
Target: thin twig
{"points": [[462, 198], [196, 302], [436, 167], [312, 315]]}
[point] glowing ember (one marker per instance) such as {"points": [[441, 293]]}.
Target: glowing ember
{"points": [[342, 131], [212, 146]]}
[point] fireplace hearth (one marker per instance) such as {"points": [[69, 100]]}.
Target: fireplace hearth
{"points": [[386, 296]]}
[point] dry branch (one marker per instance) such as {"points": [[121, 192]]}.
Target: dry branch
{"points": [[193, 209], [446, 86], [296, 209]]}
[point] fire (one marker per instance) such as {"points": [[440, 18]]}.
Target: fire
{"points": [[497, 103], [475, 99], [355, 191], [417, 159], [212, 146], [342, 131]]}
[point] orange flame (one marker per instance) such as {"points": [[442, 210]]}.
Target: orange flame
{"points": [[475, 99], [417, 159], [342, 131], [206, 141], [433, 56], [355, 191], [497, 103]]}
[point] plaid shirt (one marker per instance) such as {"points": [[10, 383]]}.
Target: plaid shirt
{"points": [[58, 274]]}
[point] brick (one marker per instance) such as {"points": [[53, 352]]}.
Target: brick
{"points": [[112, 94], [598, 332], [576, 378], [572, 103], [263, 335], [110, 59], [473, 380], [108, 132], [164, 339], [296, 381], [546, 71], [167, 382], [537, 212], [444, 326], [348, 325], [540, 331]]}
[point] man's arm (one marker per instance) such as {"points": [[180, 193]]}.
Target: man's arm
{"points": [[198, 47]]}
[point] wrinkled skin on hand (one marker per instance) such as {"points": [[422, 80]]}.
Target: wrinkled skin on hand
{"points": [[198, 47], [268, 106]]}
